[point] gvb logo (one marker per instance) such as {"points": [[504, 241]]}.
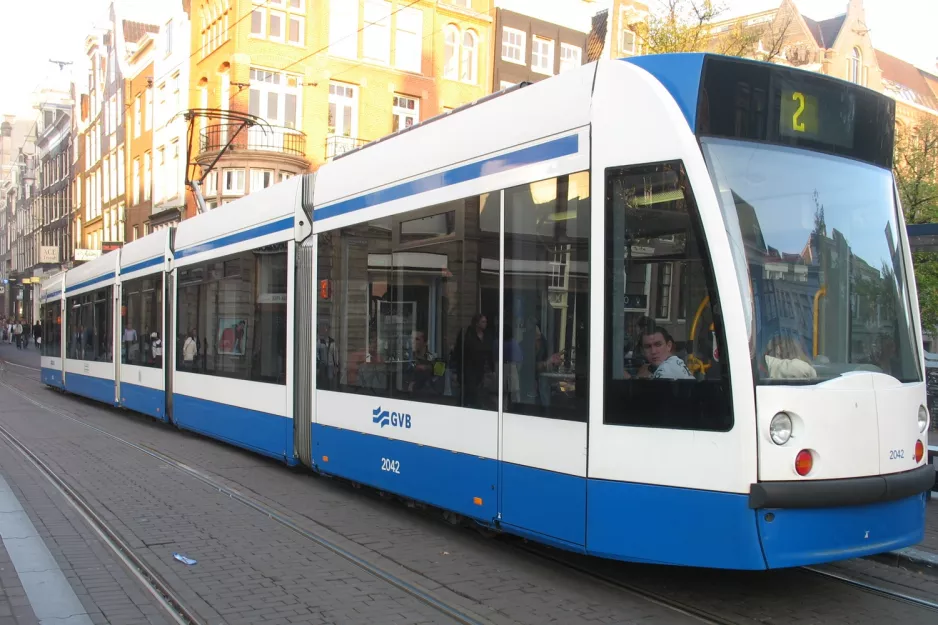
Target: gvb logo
{"points": [[394, 419]]}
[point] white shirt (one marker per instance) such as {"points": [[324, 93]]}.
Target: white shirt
{"points": [[673, 369], [158, 348], [130, 335], [189, 349]]}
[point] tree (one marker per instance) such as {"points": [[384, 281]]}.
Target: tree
{"points": [[916, 168], [926, 280], [687, 26]]}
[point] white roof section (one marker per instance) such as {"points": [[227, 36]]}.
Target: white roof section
{"points": [[97, 271], [254, 216], [136, 253]]}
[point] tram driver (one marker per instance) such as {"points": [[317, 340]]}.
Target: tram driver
{"points": [[662, 362]]}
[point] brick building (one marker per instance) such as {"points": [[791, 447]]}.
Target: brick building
{"points": [[139, 141], [326, 77]]}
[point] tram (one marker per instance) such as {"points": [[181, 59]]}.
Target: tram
{"points": [[658, 310]]}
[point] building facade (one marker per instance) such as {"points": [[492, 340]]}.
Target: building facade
{"points": [[527, 49], [325, 77], [102, 127], [54, 151], [171, 69], [139, 140]]}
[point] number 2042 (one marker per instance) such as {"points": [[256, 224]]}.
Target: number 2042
{"points": [[392, 466], [895, 454]]}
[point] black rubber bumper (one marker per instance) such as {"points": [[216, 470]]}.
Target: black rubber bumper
{"points": [[847, 492]]}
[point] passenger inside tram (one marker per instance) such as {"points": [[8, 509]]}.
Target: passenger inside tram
{"points": [[662, 362]]}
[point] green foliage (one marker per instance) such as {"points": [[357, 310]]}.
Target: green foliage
{"points": [[916, 168], [926, 280]]}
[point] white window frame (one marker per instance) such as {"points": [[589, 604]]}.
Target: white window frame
{"points": [[281, 38], [135, 181], [263, 13], [402, 113], [257, 179], [301, 20], [341, 100], [631, 50], [147, 175], [452, 37], [472, 77], [137, 121], [521, 48], [376, 31], [538, 54], [210, 184], [409, 31], [230, 175], [571, 56], [343, 29], [504, 84]]}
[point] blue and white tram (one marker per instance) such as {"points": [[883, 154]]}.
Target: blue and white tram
{"points": [[656, 310]]}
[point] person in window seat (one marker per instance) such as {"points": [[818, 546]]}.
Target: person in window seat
{"points": [[663, 364]]}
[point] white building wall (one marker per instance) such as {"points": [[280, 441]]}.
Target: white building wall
{"points": [[171, 66]]}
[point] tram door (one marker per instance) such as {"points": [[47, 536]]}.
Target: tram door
{"points": [[545, 347]]}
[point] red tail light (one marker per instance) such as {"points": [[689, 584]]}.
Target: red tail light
{"points": [[804, 461], [919, 451]]}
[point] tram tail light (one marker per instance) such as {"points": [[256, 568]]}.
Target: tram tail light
{"points": [[919, 451], [804, 462]]}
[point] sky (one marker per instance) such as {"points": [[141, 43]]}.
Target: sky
{"points": [[39, 30]]}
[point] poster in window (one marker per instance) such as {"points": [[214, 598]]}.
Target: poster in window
{"points": [[231, 336]]}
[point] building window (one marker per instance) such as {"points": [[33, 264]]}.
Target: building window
{"points": [[450, 52], [261, 179], [376, 36], [275, 28], [343, 110], [513, 45], [570, 56], [120, 171], [462, 3], [406, 112], [274, 97], [257, 22], [210, 184], [295, 33], [137, 119], [168, 37], [296, 5], [408, 52], [147, 107], [172, 177], [469, 62], [135, 189], [854, 66], [627, 41], [542, 55], [233, 182], [147, 176], [343, 28], [284, 175]]}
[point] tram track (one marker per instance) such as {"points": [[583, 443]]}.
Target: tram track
{"points": [[456, 613]]}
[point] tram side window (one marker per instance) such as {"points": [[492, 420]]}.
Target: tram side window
{"points": [[546, 340], [408, 306], [665, 365], [142, 321], [51, 329], [232, 316], [89, 326]]}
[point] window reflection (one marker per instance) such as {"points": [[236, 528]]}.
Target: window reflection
{"points": [[546, 346], [142, 322], [232, 316], [408, 306], [663, 361], [89, 323]]}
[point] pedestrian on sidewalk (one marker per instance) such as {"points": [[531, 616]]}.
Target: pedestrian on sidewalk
{"points": [[37, 333], [18, 334]]}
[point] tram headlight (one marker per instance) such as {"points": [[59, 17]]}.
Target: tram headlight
{"points": [[922, 419], [780, 428]]}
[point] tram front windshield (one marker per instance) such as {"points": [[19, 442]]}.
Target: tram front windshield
{"points": [[819, 258]]}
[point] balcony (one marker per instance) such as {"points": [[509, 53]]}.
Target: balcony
{"points": [[337, 145], [277, 139]]}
